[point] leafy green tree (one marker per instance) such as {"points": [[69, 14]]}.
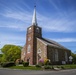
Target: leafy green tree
{"points": [[11, 53], [74, 57], [1, 55]]}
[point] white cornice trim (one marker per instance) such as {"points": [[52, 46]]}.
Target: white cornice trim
{"points": [[42, 41]]}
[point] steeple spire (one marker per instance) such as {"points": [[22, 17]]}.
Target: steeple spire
{"points": [[34, 19]]}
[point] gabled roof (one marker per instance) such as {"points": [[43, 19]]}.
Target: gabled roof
{"points": [[51, 43]]}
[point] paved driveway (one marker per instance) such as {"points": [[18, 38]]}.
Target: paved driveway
{"points": [[26, 72]]}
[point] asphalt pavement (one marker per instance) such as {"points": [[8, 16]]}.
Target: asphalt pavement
{"points": [[30, 72]]}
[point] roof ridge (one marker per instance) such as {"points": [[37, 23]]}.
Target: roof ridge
{"points": [[53, 42]]}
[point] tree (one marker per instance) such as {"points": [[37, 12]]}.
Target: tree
{"points": [[11, 53], [1, 57], [74, 57]]}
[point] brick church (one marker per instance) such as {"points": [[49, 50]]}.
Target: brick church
{"points": [[37, 47]]}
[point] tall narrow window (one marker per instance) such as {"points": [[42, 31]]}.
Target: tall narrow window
{"points": [[37, 29], [53, 55], [56, 55], [28, 49], [66, 57]]}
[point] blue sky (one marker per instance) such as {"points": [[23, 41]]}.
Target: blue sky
{"points": [[56, 17]]}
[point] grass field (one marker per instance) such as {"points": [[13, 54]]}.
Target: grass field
{"points": [[69, 66], [73, 66], [26, 68]]}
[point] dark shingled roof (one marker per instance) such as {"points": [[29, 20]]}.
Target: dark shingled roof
{"points": [[52, 43]]}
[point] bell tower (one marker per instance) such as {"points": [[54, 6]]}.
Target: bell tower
{"points": [[33, 32]]}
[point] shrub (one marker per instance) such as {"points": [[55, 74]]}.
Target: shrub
{"points": [[47, 62], [58, 67], [47, 67], [38, 66], [52, 67], [62, 67], [41, 62], [8, 64], [1, 64], [25, 64]]}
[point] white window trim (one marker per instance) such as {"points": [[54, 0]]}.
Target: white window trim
{"points": [[28, 49]]}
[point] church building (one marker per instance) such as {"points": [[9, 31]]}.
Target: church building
{"points": [[37, 47]]}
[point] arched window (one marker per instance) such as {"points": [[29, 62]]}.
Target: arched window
{"points": [[24, 53], [29, 30], [37, 29], [28, 49], [56, 55]]}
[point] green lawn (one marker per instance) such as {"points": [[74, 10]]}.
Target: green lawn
{"points": [[73, 66], [26, 68], [69, 66], [36, 68]]}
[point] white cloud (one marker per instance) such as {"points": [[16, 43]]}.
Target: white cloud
{"points": [[57, 23], [23, 16], [60, 25], [50, 24], [53, 4], [65, 40], [18, 20], [12, 39]]}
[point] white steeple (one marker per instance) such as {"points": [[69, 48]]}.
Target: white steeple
{"points": [[34, 19]]}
